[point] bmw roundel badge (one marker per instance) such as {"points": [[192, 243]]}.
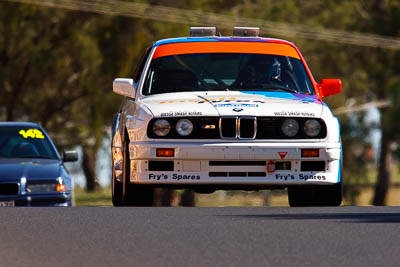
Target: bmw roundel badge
{"points": [[237, 109]]}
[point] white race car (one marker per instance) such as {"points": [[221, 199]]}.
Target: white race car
{"points": [[209, 113]]}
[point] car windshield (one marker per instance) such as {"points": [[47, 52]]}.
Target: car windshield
{"points": [[24, 142], [226, 72]]}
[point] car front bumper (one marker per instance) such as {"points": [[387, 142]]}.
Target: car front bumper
{"points": [[45, 199], [235, 163]]}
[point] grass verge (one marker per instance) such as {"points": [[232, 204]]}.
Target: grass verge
{"points": [[101, 197]]}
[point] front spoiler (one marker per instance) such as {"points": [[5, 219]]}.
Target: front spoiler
{"points": [[191, 164], [49, 200]]}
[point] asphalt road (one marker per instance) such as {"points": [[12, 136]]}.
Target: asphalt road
{"points": [[345, 236]]}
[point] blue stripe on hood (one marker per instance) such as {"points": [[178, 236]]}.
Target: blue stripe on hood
{"points": [[284, 95]]}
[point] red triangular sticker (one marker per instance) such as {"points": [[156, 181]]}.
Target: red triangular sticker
{"points": [[282, 154]]}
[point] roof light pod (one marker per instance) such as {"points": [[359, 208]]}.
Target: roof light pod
{"points": [[202, 31], [246, 31]]}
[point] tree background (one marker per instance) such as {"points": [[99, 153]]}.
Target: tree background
{"points": [[57, 67]]}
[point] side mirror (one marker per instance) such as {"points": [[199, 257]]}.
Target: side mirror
{"points": [[125, 87], [330, 87], [70, 156]]}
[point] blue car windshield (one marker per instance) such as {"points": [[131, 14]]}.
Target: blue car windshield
{"points": [[24, 142], [227, 72]]}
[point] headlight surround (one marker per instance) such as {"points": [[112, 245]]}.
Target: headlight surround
{"points": [[290, 127], [184, 127], [312, 127], [161, 127]]}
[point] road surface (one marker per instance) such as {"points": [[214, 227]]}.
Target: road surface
{"points": [[267, 236]]}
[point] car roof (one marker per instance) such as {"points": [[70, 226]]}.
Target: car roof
{"points": [[20, 124], [221, 39]]}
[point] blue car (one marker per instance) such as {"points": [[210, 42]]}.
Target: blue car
{"points": [[32, 172]]}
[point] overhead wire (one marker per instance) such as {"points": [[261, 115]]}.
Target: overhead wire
{"points": [[363, 107], [195, 18]]}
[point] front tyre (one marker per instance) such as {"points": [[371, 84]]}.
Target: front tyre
{"points": [[316, 195], [116, 188], [133, 195]]}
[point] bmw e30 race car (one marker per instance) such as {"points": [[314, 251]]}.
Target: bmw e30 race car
{"points": [[209, 113]]}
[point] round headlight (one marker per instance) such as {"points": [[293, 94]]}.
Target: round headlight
{"points": [[161, 127], [312, 128], [290, 127], [184, 127]]}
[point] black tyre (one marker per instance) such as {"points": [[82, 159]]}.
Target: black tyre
{"points": [[301, 196], [317, 195], [133, 195], [116, 188]]}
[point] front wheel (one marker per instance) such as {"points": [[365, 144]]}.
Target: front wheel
{"points": [[116, 188], [316, 195], [133, 195]]}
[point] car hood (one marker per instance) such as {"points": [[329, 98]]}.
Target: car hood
{"points": [[254, 103], [15, 169]]}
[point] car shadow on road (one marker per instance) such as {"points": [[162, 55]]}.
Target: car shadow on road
{"points": [[353, 217]]}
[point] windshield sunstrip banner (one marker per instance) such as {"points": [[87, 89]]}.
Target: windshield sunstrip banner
{"points": [[225, 47]]}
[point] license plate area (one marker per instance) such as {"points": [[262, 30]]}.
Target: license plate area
{"points": [[7, 203]]}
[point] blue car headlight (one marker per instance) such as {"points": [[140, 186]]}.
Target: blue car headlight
{"points": [[45, 187]]}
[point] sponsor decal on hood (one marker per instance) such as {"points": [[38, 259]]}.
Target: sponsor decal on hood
{"points": [[189, 104]]}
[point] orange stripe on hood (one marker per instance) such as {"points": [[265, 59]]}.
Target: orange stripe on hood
{"points": [[225, 47]]}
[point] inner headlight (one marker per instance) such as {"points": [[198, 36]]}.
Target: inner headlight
{"points": [[312, 128], [290, 127], [161, 127], [184, 127], [41, 187]]}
